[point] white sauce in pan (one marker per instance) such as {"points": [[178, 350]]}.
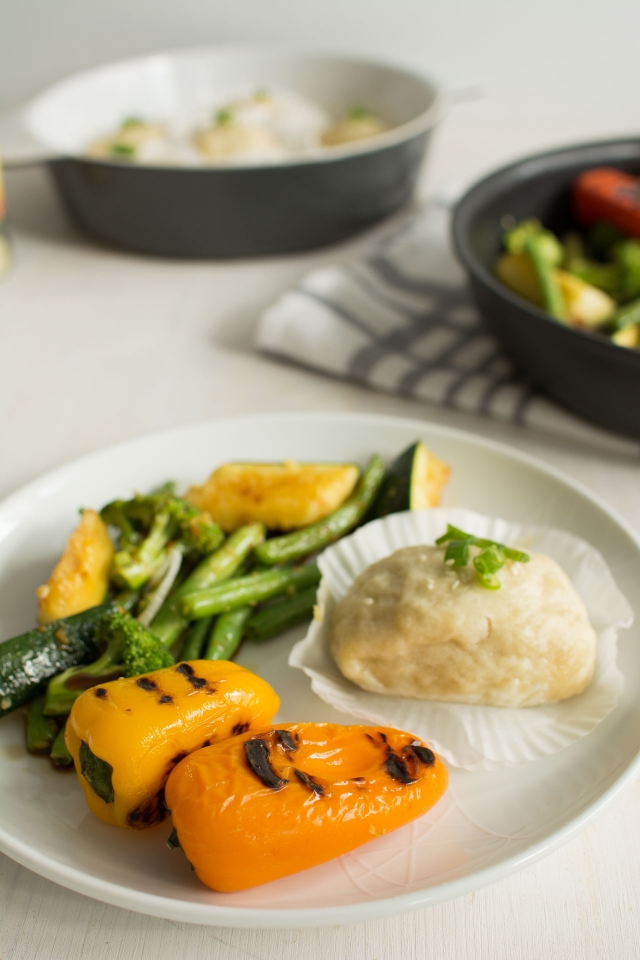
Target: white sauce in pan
{"points": [[263, 126]]}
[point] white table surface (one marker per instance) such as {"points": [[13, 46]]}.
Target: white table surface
{"points": [[97, 346]]}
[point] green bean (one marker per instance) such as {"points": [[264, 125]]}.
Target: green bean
{"points": [[552, 298], [301, 543], [248, 590], [193, 645], [41, 730], [218, 566], [60, 756], [281, 616], [226, 635]]}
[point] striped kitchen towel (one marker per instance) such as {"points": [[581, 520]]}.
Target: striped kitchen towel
{"points": [[400, 320]]}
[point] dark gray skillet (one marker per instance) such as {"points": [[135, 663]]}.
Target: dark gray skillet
{"points": [[228, 211], [583, 371]]}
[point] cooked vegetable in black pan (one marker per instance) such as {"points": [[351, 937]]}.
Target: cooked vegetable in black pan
{"points": [[591, 278]]}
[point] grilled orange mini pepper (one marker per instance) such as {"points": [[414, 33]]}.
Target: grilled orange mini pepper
{"points": [[127, 735], [262, 806]]}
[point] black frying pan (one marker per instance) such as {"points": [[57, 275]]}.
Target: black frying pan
{"points": [[227, 211]]}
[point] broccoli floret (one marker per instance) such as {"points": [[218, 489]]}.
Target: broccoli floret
{"points": [[516, 240], [142, 651], [147, 524], [129, 650], [199, 533]]}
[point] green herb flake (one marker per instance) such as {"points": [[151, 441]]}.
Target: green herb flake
{"points": [[457, 553], [224, 117], [123, 149], [129, 122], [358, 112], [487, 563]]}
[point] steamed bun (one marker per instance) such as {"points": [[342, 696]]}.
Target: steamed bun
{"points": [[411, 626]]}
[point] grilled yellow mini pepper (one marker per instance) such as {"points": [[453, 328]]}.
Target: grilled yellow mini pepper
{"points": [[126, 736], [258, 807]]}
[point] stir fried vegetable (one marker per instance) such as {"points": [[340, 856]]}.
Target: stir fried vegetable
{"points": [[302, 543], [281, 616], [128, 650], [147, 524], [227, 634], [588, 279], [174, 588], [249, 590], [218, 566]]}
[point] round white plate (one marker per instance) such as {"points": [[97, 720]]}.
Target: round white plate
{"points": [[488, 824]]}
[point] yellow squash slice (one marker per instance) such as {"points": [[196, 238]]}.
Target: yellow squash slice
{"points": [[283, 496], [80, 578]]}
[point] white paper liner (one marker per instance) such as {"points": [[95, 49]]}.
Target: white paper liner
{"points": [[469, 736]]}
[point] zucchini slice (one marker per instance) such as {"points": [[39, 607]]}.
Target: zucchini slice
{"points": [[414, 481]]}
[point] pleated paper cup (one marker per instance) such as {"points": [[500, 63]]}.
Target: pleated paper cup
{"points": [[469, 736]]}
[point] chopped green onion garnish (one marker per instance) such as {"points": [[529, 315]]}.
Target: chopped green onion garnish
{"points": [[224, 117], [492, 556], [123, 148], [358, 112], [457, 554], [131, 122], [487, 564]]}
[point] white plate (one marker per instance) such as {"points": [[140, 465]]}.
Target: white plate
{"points": [[488, 824]]}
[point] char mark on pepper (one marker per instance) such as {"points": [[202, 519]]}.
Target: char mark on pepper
{"points": [[397, 769], [146, 683], [240, 728], [149, 812], [257, 754], [424, 754], [309, 782], [285, 740]]}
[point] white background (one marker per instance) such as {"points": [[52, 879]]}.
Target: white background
{"points": [[96, 346], [549, 60]]}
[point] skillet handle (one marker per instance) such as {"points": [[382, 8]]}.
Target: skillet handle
{"points": [[18, 148]]}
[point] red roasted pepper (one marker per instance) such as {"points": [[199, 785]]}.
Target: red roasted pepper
{"points": [[607, 194]]}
